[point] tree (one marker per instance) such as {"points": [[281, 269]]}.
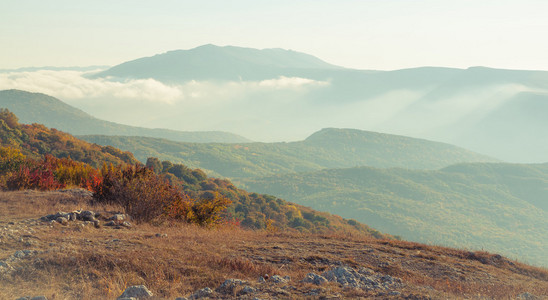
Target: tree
{"points": [[155, 164], [10, 118]]}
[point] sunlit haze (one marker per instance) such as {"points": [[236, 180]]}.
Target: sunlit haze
{"points": [[375, 34]]}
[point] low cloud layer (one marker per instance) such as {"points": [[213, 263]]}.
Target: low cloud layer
{"points": [[70, 85]]}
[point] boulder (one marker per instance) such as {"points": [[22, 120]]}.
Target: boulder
{"points": [[136, 291], [229, 285], [62, 220], [314, 279], [87, 215], [205, 292]]}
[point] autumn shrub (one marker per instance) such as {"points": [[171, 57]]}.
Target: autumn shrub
{"points": [[137, 189], [39, 178], [207, 211]]}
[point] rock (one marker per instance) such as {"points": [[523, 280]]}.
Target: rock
{"points": [[343, 275], [229, 285], [118, 218], [314, 278], [247, 290], [278, 279], [22, 254], [97, 224], [111, 223], [161, 235], [62, 220], [527, 296], [87, 215], [181, 298], [73, 216], [23, 298], [39, 298], [126, 224], [261, 279], [205, 292], [136, 291]]}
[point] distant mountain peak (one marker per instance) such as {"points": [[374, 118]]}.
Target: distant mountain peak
{"points": [[209, 61]]}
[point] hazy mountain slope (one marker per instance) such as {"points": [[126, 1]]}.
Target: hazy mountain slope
{"points": [[497, 207], [52, 112], [212, 62], [328, 148], [276, 95]]}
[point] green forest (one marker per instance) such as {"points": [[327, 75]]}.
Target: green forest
{"points": [[328, 148], [496, 206]]}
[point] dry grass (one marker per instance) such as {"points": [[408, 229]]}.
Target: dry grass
{"points": [[90, 263]]}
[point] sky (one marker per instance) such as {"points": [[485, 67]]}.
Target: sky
{"points": [[364, 34]]}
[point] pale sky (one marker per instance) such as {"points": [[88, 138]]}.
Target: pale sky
{"points": [[363, 34]]}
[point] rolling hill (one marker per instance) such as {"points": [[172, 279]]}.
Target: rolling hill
{"points": [[327, 148], [52, 112], [493, 206], [252, 210]]}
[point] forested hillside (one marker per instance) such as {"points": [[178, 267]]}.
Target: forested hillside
{"points": [[499, 207], [327, 148], [26, 163]]}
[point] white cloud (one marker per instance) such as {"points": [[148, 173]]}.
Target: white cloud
{"points": [[75, 85]]}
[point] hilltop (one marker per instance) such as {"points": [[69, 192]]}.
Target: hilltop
{"points": [[220, 63], [327, 148], [52, 112]]}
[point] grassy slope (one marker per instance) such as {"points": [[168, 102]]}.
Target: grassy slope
{"points": [[328, 148], [82, 262], [499, 207]]}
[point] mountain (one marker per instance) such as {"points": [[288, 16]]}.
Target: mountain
{"points": [[327, 148], [212, 62], [281, 95], [52, 112], [494, 206]]}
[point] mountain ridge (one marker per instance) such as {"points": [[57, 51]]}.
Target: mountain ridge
{"points": [[348, 148], [52, 112]]}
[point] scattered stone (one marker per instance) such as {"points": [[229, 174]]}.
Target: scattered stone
{"points": [[278, 279], [136, 291], [62, 220], [205, 292], [97, 224], [247, 290], [87, 215], [314, 279], [127, 224], [527, 296], [118, 218], [261, 279], [161, 235], [39, 298], [111, 223], [229, 285], [364, 278]]}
